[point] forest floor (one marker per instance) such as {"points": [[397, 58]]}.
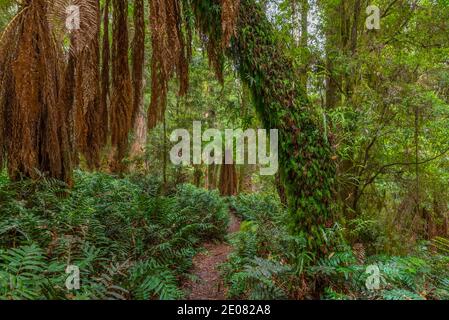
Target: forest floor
{"points": [[208, 284]]}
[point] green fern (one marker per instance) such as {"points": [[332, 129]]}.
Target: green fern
{"points": [[22, 272]]}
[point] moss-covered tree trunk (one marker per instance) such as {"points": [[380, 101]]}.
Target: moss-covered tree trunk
{"points": [[305, 153], [228, 177]]}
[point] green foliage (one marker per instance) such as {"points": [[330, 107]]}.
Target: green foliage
{"points": [[262, 279], [128, 242], [150, 278], [374, 104], [281, 103], [205, 210], [304, 150], [251, 206], [264, 262], [269, 263], [420, 275]]}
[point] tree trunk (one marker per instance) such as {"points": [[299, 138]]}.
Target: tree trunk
{"points": [[228, 178], [305, 153], [164, 152], [137, 150], [211, 177], [303, 43]]}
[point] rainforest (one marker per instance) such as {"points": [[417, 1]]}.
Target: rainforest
{"points": [[119, 178]]}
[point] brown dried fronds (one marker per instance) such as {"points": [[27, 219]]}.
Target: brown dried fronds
{"points": [[169, 55], [64, 27], [229, 14], [88, 120], [121, 99], [8, 46], [228, 176], [66, 102], [36, 138]]}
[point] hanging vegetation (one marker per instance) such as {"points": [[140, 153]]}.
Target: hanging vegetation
{"points": [[347, 201], [305, 151], [105, 79], [209, 22], [88, 119], [229, 14], [35, 135], [169, 55], [121, 99]]}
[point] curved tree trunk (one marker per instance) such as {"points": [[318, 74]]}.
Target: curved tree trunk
{"points": [[304, 150], [139, 121], [305, 153]]}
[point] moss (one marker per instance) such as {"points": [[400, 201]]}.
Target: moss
{"points": [[307, 169]]}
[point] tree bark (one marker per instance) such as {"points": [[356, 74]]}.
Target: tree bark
{"points": [[228, 178]]}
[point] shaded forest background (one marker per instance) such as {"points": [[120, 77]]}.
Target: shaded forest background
{"points": [[363, 118]]}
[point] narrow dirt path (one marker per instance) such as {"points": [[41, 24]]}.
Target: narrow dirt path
{"points": [[205, 266]]}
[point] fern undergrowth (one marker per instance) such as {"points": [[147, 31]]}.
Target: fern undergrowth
{"points": [[127, 241], [270, 263]]}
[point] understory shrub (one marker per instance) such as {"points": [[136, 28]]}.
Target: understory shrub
{"points": [[270, 263], [127, 241]]}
